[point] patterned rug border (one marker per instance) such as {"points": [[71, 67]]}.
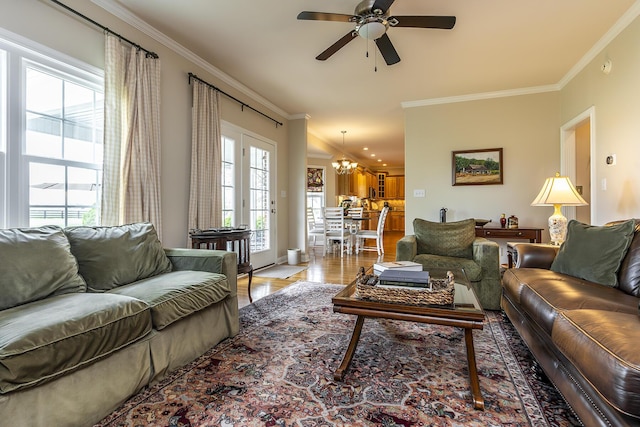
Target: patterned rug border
{"points": [[532, 409]]}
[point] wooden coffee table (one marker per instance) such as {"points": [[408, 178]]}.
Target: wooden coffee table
{"points": [[465, 312]]}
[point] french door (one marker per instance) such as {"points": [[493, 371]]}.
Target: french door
{"points": [[253, 190]]}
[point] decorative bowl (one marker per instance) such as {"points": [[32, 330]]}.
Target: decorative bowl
{"points": [[482, 222]]}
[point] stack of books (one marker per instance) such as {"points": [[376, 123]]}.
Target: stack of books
{"points": [[379, 267], [394, 277]]}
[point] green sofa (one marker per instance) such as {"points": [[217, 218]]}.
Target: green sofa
{"points": [[90, 315], [455, 245]]}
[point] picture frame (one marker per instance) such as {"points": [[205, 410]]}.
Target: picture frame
{"points": [[477, 167]]}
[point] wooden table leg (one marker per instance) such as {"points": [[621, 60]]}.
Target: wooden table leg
{"points": [[249, 285], [346, 360], [478, 400]]}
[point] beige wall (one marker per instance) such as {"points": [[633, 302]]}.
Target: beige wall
{"points": [[525, 127], [528, 128], [44, 23], [617, 124]]}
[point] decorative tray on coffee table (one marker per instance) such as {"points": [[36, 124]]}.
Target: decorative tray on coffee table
{"points": [[438, 291]]}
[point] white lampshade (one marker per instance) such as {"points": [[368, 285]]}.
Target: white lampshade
{"points": [[558, 191]]}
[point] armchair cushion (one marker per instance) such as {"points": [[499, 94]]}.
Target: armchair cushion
{"points": [[452, 239]]}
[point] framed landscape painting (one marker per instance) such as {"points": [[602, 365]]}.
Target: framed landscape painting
{"points": [[477, 167]]}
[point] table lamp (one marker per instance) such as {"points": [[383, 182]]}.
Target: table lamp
{"points": [[558, 191]]}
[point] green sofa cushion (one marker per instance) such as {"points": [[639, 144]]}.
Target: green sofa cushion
{"points": [[178, 294], [454, 239], [36, 263], [594, 253], [109, 257], [49, 338]]}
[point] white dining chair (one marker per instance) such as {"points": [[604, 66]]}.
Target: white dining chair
{"points": [[334, 230], [315, 228], [376, 234]]}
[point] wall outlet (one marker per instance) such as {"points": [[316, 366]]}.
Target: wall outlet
{"points": [[419, 193]]}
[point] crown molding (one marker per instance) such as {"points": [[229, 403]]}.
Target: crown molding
{"points": [[622, 23], [125, 15], [299, 116], [627, 18], [481, 96]]}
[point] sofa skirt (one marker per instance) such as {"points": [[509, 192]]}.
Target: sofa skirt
{"points": [[83, 397], [183, 341]]}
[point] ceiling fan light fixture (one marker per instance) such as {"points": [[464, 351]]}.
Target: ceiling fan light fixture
{"points": [[371, 30]]}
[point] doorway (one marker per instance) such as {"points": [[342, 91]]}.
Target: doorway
{"points": [[577, 151], [248, 190]]}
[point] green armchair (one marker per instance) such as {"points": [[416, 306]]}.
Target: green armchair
{"points": [[455, 245]]}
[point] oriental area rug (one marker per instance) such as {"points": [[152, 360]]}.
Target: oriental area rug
{"points": [[278, 371]]}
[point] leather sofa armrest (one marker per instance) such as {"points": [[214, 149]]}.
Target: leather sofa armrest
{"points": [[407, 248], [212, 261], [532, 255]]}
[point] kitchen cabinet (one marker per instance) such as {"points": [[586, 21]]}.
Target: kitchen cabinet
{"points": [[397, 221], [394, 187]]}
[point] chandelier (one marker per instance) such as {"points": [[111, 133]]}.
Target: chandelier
{"points": [[344, 166]]}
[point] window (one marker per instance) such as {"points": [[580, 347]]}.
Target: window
{"points": [[51, 162], [228, 182], [315, 190]]}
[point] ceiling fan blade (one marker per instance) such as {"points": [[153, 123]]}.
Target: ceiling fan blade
{"points": [[442, 22], [387, 50], [383, 5], [336, 46], [322, 16]]}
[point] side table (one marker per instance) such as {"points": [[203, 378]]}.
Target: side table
{"points": [[533, 235], [232, 240]]}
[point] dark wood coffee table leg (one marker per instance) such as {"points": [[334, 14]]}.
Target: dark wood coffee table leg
{"points": [[478, 400], [346, 360]]}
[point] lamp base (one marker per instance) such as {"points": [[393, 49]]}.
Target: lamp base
{"points": [[557, 226]]}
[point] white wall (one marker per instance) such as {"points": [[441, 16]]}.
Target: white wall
{"points": [[616, 98], [44, 23], [525, 127]]}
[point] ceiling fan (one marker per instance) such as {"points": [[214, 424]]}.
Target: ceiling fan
{"points": [[372, 21]]}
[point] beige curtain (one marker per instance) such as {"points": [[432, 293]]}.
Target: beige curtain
{"points": [[205, 198], [131, 170]]}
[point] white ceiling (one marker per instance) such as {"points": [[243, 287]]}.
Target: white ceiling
{"points": [[496, 45]]}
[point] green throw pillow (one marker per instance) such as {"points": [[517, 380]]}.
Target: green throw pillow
{"points": [[109, 257], [445, 238], [36, 263], [594, 253]]}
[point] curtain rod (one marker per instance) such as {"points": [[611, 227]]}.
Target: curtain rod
{"points": [[102, 27], [193, 76]]}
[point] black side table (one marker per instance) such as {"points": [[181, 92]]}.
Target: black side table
{"points": [[232, 240]]}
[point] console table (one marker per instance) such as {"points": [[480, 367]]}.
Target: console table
{"points": [[232, 240], [534, 235]]}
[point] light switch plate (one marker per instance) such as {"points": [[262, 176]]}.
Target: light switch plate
{"points": [[419, 193]]}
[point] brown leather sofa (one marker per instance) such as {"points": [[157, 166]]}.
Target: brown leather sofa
{"points": [[585, 336]]}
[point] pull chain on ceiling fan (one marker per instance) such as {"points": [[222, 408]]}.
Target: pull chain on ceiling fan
{"points": [[372, 21]]}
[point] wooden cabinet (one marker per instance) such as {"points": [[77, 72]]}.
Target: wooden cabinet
{"points": [[381, 185], [394, 187], [357, 183], [396, 220]]}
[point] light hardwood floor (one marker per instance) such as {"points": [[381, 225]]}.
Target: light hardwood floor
{"points": [[322, 269]]}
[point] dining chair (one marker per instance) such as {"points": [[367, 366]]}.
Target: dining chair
{"points": [[377, 234], [334, 230], [355, 212], [314, 227]]}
